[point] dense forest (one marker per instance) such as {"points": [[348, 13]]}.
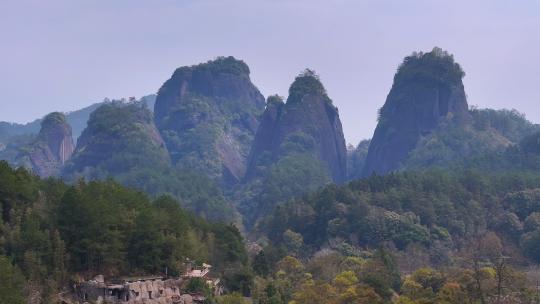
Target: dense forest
{"points": [[54, 235], [470, 236]]}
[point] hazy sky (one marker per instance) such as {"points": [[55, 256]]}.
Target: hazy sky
{"points": [[63, 55]]}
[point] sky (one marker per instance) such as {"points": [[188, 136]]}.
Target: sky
{"points": [[61, 55]]}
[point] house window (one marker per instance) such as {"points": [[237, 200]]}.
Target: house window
{"points": [[150, 294], [161, 291], [85, 296]]}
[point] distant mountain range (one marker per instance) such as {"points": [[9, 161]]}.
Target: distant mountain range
{"points": [[209, 124], [77, 120]]}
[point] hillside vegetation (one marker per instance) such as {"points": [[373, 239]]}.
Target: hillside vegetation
{"points": [[53, 233]]}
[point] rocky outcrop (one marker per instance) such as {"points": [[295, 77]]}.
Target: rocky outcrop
{"points": [[52, 147], [307, 123], [120, 138], [208, 116], [427, 91]]}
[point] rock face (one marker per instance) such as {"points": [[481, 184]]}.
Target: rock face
{"points": [[120, 138], [307, 123], [208, 116], [427, 90], [52, 147]]}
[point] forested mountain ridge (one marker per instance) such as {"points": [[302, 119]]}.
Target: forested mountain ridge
{"points": [[119, 138], [207, 118], [122, 142], [76, 119], [490, 133]]}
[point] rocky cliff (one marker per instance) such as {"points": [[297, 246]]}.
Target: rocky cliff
{"points": [[427, 91], [120, 138], [52, 147], [208, 116], [307, 123]]}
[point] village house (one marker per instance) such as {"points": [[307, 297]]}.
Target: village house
{"points": [[203, 272], [146, 290]]}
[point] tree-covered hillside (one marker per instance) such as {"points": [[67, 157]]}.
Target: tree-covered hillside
{"points": [[491, 132], [122, 142], [119, 138], [53, 235], [431, 208]]}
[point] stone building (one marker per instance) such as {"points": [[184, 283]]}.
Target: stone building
{"points": [[147, 290], [138, 290]]}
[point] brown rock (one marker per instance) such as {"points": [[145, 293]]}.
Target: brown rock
{"points": [[53, 146]]}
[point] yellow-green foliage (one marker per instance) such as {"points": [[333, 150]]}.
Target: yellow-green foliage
{"points": [[234, 298]]}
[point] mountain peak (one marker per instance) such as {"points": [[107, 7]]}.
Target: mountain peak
{"points": [[427, 90], [208, 114], [437, 66], [306, 83], [119, 137], [52, 147], [292, 128]]}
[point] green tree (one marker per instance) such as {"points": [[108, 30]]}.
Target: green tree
{"points": [[11, 283], [260, 264], [314, 293], [381, 273], [293, 241], [530, 243], [94, 219]]}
